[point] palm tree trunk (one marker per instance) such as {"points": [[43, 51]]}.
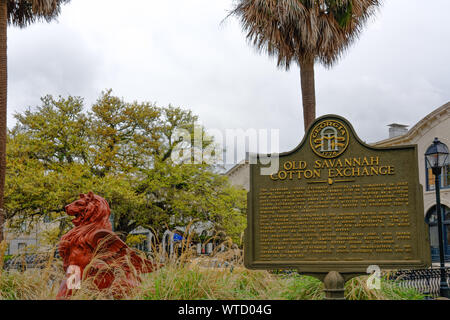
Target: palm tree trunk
{"points": [[308, 91], [3, 99]]}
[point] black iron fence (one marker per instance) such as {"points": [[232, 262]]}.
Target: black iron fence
{"points": [[425, 281], [26, 261]]}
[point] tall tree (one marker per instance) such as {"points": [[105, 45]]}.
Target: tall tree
{"points": [[18, 13], [121, 151], [304, 31]]}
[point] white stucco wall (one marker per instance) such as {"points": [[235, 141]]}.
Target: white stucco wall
{"points": [[436, 124], [440, 130], [239, 175]]}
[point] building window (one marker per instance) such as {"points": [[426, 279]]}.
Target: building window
{"points": [[446, 175], [21, 247], [431, 220], [23, 227], [445, 178], [143, 246], [111, 219], [47, 218]]}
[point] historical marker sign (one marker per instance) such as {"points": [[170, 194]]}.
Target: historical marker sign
{"points": [[338, 204]]}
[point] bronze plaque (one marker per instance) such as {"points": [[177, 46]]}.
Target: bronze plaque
{"points": [[336, 203]]}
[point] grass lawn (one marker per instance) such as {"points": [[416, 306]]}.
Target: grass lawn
{"points": [[185, 278]]}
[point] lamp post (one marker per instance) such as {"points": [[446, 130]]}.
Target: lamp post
{"points": [[437, 155]]}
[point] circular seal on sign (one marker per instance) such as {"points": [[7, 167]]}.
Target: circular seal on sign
{"points": [[329, 138]]}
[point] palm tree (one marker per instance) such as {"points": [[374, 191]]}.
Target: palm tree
{"points": [[304, 31], [18, 13]]}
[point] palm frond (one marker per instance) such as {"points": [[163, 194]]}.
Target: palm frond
{"points": [[295, 30], [24, 12]]}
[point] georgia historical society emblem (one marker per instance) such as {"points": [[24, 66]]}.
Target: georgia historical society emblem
{"points": [[329, 138]]}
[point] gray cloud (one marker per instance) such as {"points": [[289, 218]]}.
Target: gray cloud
{"points": [[48, 59], [178, 52]]}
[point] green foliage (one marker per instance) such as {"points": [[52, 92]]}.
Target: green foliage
{"points": [[121, 151], [303, 288], [135, 239], [50, 237], [31, 284], [199, 280], [356, 289], [181, 282]]}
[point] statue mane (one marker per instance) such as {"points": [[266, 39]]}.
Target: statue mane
{"points": [[91, 213], [93, 232]]}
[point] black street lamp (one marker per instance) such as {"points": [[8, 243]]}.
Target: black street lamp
{"points": [[437, 156]]}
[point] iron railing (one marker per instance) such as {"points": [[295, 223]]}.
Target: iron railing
{"points": [[23, 262], [426, 281]]}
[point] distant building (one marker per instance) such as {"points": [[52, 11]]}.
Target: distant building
{"points": [[435, 124], [170, 236], [239, 175], [148, 244], [19, 241]]}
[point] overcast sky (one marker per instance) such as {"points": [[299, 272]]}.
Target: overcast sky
{"points": [[180, 52]]}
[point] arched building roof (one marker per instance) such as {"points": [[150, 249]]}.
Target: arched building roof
{"points": [[430, 121]]}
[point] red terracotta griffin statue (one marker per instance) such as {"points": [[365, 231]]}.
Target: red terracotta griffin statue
{"points": [[93, 236]]}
